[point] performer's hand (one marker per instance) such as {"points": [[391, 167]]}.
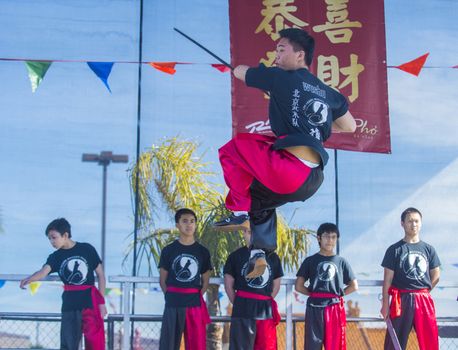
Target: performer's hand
{"points": [[103, 310], [385, 311], [24, 283]]}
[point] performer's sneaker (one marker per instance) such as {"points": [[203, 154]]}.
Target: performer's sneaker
{"points": [[256, 266], [233, 223]]}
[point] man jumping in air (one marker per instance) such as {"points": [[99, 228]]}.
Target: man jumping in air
{"points": [[265, 172]]}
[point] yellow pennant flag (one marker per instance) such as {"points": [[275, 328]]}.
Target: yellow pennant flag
{"points": [[34, 287]]}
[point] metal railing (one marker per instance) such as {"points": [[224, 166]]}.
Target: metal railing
{"points": [[119, 326]]}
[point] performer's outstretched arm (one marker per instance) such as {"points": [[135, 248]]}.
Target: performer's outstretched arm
{"points": [[345, 123], [240, 72], [39, 275]]}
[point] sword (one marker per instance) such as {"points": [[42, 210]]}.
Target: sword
{"points": [[392, 333], [204, 48]]}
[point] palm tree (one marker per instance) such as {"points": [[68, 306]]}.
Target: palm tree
{"points": [[172, 174]]}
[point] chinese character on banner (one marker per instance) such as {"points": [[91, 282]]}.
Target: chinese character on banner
{"points": [[343, 31]]}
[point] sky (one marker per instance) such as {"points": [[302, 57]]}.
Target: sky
{"points": [[43, 134]]}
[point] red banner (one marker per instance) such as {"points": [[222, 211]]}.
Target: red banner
{"points": [[350, 56]]}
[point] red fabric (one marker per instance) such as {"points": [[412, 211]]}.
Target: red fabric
{"points": [[196, 321], [266, 335], [93, 326], [425, 322], [335, 322], [249, 156], [395, 306], [266, 330], [275, 314]]}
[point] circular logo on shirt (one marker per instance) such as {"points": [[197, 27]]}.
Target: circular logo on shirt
{"points": [[326, 271], [316, 112], [74, 270], [258, 282], [185, 267], [414, 265]]}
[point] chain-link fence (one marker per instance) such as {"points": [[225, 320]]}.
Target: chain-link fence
{"points": [[20, 331]]}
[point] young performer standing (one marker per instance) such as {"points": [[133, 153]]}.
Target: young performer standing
{"points": [[411, 270], [83, 305], [328, 274], [254, 314], [264, 172], [184, 274]]}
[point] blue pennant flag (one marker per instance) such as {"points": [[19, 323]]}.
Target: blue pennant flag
{"points": [[102, 70], [2, 283]]}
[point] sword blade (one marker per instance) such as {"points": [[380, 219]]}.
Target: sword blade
{"points": [[392, 333], [204, 48]]}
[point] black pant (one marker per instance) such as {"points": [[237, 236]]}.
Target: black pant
{"points": [[173, 323], [71, 330]]}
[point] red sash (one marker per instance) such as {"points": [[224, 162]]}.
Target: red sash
{"points": [[97, 298], [248, 295], [395, 307], [203, 305], [334, 318]]}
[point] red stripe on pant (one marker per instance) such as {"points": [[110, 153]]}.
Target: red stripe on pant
{"points": [[266, 330], [93, 327], [196, 322], [424, 319], [250, 156], [335, 322]]}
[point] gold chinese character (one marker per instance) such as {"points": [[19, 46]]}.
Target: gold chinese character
{"points": [[278, 10], [328, 71], [269, 61]]}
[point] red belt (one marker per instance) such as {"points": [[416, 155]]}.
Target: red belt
{"points": [[248, 295], [97, 298], [331, 295], [395, 307], [203, 305]]}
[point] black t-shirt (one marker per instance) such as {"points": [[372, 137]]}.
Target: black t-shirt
{"points": [[411, 263], [327, 274], [185, 265], [236, 266], [75, 266], [301, 109]]}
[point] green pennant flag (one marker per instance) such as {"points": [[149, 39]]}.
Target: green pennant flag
{"points": [[37, 71]]}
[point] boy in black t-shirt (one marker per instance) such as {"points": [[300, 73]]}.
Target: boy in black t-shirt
{"points": [[83, 305], [411, 270], [264, 172], [328, 275], [185, 268], [255, 314]]}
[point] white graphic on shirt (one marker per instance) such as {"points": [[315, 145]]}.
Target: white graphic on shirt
{"points": [[258, 282], [326, 271], [316, 112], [186, 267], [315, 133], [295, 108], [414, 265], [74, 270]]}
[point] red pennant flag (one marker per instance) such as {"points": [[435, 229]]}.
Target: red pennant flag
{"points": [[221, 67], [166, 67], [414, 67], [455, 66]]}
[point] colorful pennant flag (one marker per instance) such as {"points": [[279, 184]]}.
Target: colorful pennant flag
{"points": [[166, 67], [37, 71], [2, 283], [414, 67], [34, 287], [102, 70], [221, 67]]}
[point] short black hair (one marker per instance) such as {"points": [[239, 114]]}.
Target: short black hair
{"points": [[183, 211], [410, 211], [329, 228], [60, 225], [300, 40]]}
